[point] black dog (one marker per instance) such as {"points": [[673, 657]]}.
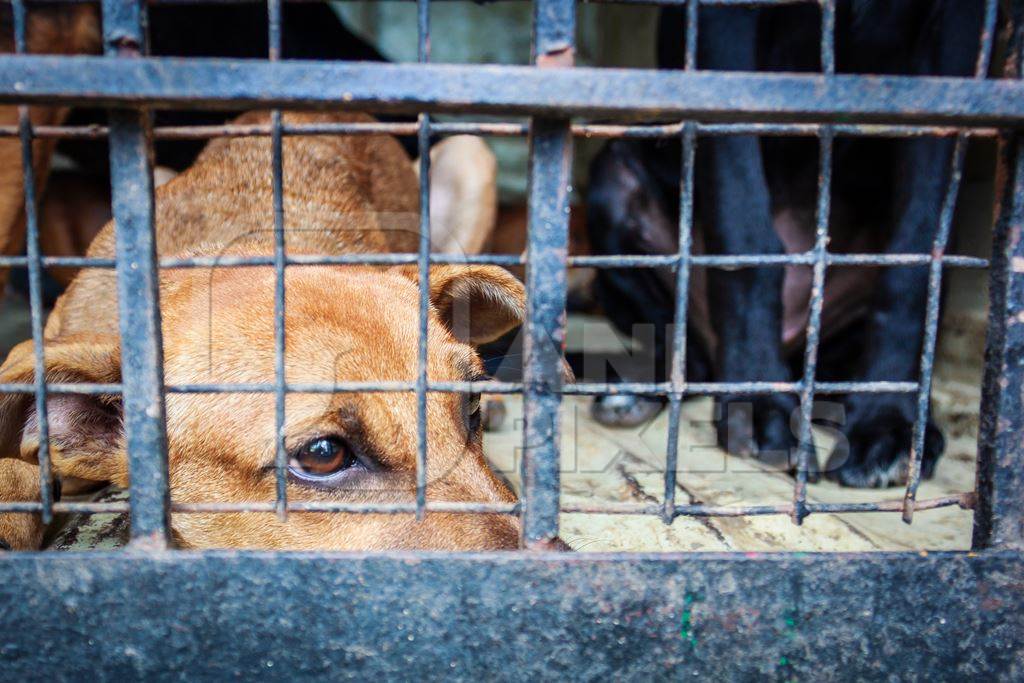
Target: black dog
{"points": [[757, 197]]}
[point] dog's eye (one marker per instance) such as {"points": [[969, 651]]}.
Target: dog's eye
{"points": [[322, 457]]}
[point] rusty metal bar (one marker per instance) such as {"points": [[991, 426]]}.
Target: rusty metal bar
{"points": [[423, 263], [550, 176], [999, 516], [280, 262], [677, 371], [35, 276], [965, 501], [138, 291], [602, 261], [512, 90], [931, 329], [509, 129], [805, 447]]}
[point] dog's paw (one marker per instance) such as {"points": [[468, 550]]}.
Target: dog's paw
{"points": [[625, 412], [19, 483], [761, 427], [876, 453]]}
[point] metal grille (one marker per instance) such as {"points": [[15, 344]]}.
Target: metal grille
{"points": [[823, 106]]}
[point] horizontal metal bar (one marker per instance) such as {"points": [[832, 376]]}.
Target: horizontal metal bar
{"points": [[962, 500], [750, 3], [703, 616], [504, 129], [491, 387], [582, 91], [583, 261]]}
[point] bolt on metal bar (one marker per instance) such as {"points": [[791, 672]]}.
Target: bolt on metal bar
{"points": [[280, 257], [423, 263], [138, 291], [931, 330], [677, 372], [805, 446], [35, 287], [550, 175]]}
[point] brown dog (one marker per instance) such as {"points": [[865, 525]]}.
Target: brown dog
{"points": [[343, 323], [65, 30]]}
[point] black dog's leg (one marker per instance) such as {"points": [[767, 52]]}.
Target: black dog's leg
{"points": [[879, 428], [746, 304], [631, 191]]}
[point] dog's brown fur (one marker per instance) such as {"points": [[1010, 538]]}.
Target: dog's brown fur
{"points": [[343, 323], [49, 30]]}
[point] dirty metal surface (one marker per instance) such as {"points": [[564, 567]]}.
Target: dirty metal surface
{"points": [[291, 616]]}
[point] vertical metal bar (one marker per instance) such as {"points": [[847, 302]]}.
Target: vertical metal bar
{"points": [[677, 373], [823, 210], [423, 261], [138, 290], [931, 329], [806, 445], [35, 275], [999, 511], [280, 256], [690, 59], [678, 368], [554, 26]]}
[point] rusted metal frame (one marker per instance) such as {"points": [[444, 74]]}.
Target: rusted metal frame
{"points": [[823, 210], [547, 250], [931, 329], [138, 290], [423, 267], [512, 90], [999, 515], [33, 259]]}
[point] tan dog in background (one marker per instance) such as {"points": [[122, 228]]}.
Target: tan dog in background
{"points": [[343, 323]]}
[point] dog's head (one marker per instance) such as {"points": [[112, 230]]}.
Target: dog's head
{"points": [[342, 324]]}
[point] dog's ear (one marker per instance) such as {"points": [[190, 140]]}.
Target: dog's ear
{"points": [[86, 430], [463, 194], [476, 303]]}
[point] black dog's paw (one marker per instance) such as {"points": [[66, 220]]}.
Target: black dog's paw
{"points": [[761, 427], [622, 411], [877, 449]]}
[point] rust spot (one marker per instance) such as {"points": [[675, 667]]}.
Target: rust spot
{"points": [[560, 58]]}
